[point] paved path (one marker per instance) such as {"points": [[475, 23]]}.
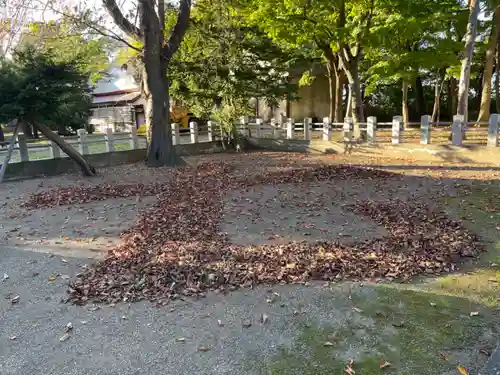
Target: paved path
{"points": [[137, 338]]}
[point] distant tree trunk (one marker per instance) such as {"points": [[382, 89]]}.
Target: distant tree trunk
{"points": [[452, 97], [339, 113], [331, 66], [406, 115], [348, 111], [470, 38], [420, 99], [484, 107], [87, 168]]}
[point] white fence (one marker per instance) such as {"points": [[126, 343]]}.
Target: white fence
{"points": [[394, 132]]}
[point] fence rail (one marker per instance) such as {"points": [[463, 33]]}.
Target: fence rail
{"points": [[370, 131]]}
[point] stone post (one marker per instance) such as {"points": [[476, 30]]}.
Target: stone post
{"points": [[493, 131], [110, 140], [371, 130], [396, 129], [290, 128], [210, 131], [176, 137], [193, 129], [348, 129], [55, 150], [457, 130], [425, 130], [307, 128], [82, 139], [327, 129], [258, 133], [23, 147], [134, 140], [244, 126]]}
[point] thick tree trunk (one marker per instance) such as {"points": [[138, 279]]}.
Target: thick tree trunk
{"points": [[420, 99], [356, 97], [406, 115], [339, 113], [484, 107], [87, 168], [470, 37]]}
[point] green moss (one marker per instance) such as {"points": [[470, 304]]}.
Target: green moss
{"points": [[407, 328]]}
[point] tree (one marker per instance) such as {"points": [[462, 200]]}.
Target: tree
{"points": [[223, 63], [156, 53], [470, 38], [38, 90]]}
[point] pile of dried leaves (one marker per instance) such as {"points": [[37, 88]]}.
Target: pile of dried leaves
{"points": [[176, 248]]}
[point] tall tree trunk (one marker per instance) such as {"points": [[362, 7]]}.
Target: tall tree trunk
{"points": [[470, 38], [87, 168], [452, 97], [331, 67], [435, 108], [348, 111], [406, 114], [356, 98], [484, 107], [420, 99], [497, 66], [339, 113]]}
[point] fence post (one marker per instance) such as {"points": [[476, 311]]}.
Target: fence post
{"points": [[348, 129], [259, 122], [371, 130], [283, 121], [210, 131], [493, 131], [55, 150], [396, 129], [134, 140], [327, 129], [193, 130], [244, 126], [176, 137], [425, 130], [307, 128], [290, 128], [276, 128], [23, 147], [82, 139], [110, 140], [457, 130]]}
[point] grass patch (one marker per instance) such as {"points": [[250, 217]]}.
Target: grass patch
{"points": [[407, 328]]}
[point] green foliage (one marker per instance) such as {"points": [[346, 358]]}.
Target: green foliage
{"points": [[38, 86]]}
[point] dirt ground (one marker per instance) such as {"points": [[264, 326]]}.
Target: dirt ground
{"points": [[90, 229]]}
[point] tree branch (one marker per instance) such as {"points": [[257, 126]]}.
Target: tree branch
{"points": [[121, 21], [180, 28]]}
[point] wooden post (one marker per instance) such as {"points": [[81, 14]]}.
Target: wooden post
{"points": [[110, 140], [348, 129], [210, 131], [457, 130], [176, 137], [82, 139], [327, 129], [396, 129], [425, 130], [258, 133], [134, 140], [290, 128], [371, 130], [493, 131], [307, 128], [23, 148]]}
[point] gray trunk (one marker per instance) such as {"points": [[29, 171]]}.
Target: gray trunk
{"points": [[470, 37], [406, 115]]}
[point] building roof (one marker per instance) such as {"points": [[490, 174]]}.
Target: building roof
{"points": [[116, 98], [117, 80]]}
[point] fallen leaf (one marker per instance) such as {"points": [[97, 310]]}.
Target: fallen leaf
{"points": [[328, 343], [357, 310], [180, 339], [246, 324], [68, 327], [65, 277], [5, 276], [433, 304], [349, 370], [52, 278], [219, 323], [204, 348], [384, 364], [15, 299], [462, 370], [474, 313], [264, 319], [64, 337], [83, 322], [12, 337], [444, 356]]}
